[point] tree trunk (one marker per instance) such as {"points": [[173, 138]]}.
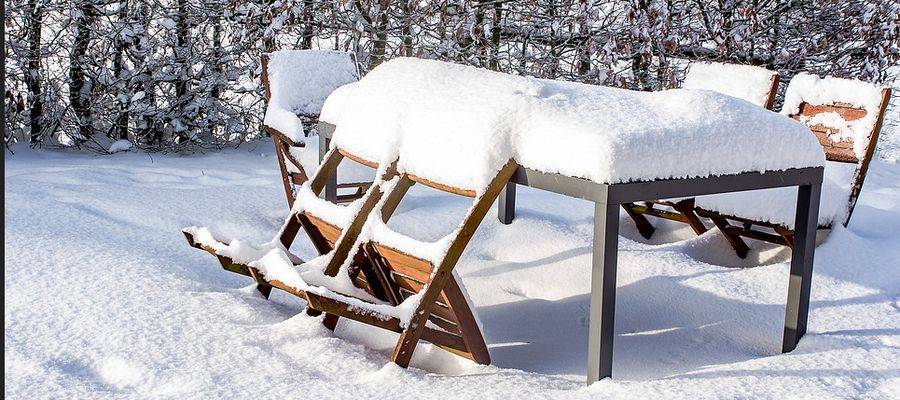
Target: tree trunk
{"points": [[33, 74], [406, 47], [121, 125], [183, 58], [309, 24], [495, 36], [380, 45], [80, 86]]}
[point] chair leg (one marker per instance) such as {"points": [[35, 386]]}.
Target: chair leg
{"points": [[406, 345], [787, 235], [330, 321], [280, 148], [644, 226], [686, 208], [740, 247], [261, 286]]}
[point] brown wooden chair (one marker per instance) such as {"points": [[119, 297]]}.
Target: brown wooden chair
{"points": [[832, 120], [289, 140], [397, 278], [763, 95]]}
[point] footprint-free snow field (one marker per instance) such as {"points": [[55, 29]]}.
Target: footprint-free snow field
{"points": [[104, 298]]}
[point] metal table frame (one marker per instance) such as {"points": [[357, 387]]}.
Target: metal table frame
{"points": [[608, 197]]}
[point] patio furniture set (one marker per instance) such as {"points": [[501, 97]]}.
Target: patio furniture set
{"points": [[568, 144]]}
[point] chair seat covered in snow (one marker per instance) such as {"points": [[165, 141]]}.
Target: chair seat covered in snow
{"points": [[296, 85], [756, 85], [845, 116]]}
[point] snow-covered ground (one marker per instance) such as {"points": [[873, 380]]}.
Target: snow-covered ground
{"points": [[105, 299]]}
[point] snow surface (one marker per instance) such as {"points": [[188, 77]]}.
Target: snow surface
{"points": [[742, 81], [807, 88], [299, 82], [104, 299], [459, 125]]}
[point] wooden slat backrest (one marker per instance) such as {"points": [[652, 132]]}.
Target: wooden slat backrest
{"points": [[409, 275], [837, 147], [840, 148]]}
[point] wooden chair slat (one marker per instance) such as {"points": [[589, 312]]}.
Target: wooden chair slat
{"points": [[847, 111], [327, 230], [442, 187], [444, 324], [405, 264], [358, 159]]}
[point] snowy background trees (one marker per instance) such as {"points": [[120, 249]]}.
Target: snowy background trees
{"points": [[178, 74]]}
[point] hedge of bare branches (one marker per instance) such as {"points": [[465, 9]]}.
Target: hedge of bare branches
{"points": [[176, 74]]}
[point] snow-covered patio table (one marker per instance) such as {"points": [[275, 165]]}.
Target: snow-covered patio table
{"points": [[604, 145]]}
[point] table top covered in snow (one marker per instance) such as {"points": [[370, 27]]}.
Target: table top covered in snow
{"points": [[458, 125]]}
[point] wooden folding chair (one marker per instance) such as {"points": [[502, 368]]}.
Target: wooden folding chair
{"points": [[762, 95], [323, 234], [287, 143], [439, 311], [839, 154]]}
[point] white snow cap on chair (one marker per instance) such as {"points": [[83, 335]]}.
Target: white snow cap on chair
{"points": [[458, 125], [742, 81], [299, 83]]}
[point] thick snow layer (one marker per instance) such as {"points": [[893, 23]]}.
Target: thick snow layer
{"points": [[742, 81], [458, 125], [299, 82], [779, 205], [104, 299], [807, 88]]}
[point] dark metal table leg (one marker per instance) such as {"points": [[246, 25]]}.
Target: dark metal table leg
{"points": [[805, 224], [603, 291], [330, 192], [324, 144], [506, 204]]}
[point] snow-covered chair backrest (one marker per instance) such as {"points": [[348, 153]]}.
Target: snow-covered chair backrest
{"points": [[754, 84], [297, 82], [844, 114]]}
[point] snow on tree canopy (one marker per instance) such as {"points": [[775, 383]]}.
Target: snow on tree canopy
{"points": [[458, 125], [806, 88], [742, 81], [299, 82]]}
